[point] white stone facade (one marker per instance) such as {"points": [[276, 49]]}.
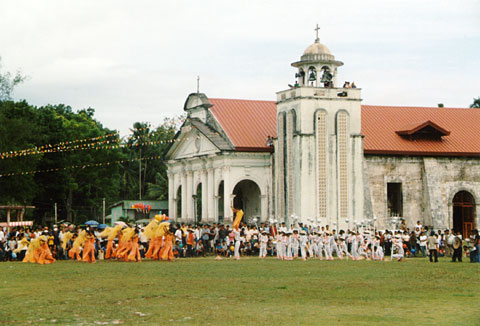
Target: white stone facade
{"points": [[318, 170]]}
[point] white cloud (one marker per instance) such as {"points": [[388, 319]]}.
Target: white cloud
{"points": [[137, 61]]}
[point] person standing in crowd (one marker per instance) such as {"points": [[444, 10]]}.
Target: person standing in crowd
{"points": [[457, 248], [423, 243], [432, 244], [475, 253]]}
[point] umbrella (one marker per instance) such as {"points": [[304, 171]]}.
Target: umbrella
{"points": [[92, 223], [144, 221], [120, 223], [102, 226]]}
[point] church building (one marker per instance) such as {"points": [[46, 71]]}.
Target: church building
{"points": [[317, 155]]}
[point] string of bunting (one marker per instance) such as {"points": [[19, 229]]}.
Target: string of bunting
{"points": [[72, 145], [69, 146], [82, 166], [61, 144], [113, 144]]}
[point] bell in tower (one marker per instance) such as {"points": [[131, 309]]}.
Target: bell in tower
{"points": [[318, 58]]}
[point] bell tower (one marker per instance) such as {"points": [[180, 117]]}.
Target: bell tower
{"points": [[317, 66], [319, 147]]}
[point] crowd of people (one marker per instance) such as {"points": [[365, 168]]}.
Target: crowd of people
{"points": [[162, 240]]}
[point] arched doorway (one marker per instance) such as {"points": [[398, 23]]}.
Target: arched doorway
{"points": [[463, 213], [248, 198]]}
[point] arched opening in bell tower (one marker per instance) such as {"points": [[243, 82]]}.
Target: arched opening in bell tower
{"points": [[327, 77], [300, 77], [312, 76]]}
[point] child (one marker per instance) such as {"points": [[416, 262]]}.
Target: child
{"points": [[303, 244], [263, 245], [398, 248]]}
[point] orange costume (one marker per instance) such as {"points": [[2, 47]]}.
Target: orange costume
{"points": [[125, 244], [79, 241], [134, 254], [111, 233], [44, 255], [89, 250], [167, 251], [38, 252], [154, 248]]}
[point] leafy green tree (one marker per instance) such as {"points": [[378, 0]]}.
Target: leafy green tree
{"points": [[476, 103], [8, 83], [18, 131]]}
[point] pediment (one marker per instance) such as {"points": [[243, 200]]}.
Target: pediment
{"points": [[191, 144]]}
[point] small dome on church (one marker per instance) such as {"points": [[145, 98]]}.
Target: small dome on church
{"points": [[317, 52], [317, 48]]}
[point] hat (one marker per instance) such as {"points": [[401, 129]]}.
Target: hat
{"points": [[303, 232]]}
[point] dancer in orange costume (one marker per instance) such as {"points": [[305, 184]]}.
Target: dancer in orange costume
{"points": [[125, 244], [155, 231], [32, 248], [120, 244], [167, 251], [38, 252], [44, 255], [154, 248], [89, 248], [134, 254], [79, 241], [111, 233]]}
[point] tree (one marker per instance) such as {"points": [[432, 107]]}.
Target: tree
{"points": [[157, 186], [8, 83], [476, 103]]}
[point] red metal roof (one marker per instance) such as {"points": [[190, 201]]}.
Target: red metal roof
{"points": [[380, 123], [247, 123]]}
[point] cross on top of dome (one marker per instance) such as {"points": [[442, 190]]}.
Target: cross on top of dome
{"points": [[316, 29]]}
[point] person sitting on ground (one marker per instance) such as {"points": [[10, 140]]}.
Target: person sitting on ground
{"points": [[200, 249]]}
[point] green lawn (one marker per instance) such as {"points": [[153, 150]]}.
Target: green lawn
{"points": [[204, 291]]}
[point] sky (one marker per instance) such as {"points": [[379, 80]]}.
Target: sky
{"points": [[138, 60]]}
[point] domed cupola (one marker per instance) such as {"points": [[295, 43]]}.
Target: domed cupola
{"points": [[317, 66]]}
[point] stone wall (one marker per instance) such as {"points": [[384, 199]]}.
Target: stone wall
{"points": [[428, 187]]}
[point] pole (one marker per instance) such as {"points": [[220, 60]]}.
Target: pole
{"points": [[55, 205], [140, 175], [103, 210]]}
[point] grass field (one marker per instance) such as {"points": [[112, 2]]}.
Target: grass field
{"points": [[204, 291]]}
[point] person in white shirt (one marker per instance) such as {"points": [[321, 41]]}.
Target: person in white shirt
{"points": [[423, 243], [178, 235], [303, 244], [418, 229], [397, 248], [263, 245]]}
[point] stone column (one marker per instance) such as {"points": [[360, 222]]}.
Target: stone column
{"points": [[210, 196], [171, 195], [188, 198], [263, 208], [184, 196], [227, 202], [203, 177]]}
